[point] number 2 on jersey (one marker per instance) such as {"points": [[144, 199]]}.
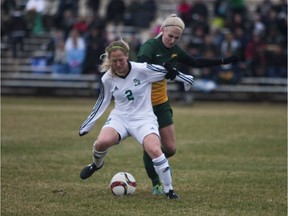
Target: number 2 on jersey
{"points": [[129, 95]]}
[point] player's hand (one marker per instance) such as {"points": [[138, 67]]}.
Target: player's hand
{"points": [[172, 72], [231, 59]]}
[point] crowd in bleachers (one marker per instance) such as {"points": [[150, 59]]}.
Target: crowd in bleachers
{"points": [[79, 32], [258, 37]]}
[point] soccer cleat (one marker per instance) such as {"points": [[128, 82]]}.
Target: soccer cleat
{"points": [[172, 195], [157, 190], [89, 170]]}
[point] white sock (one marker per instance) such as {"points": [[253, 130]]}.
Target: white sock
{"points": [[163, 170], [98, 157]]}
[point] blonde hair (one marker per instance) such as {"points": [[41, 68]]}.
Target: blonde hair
{"points": [[173, 20], [115, 45]]}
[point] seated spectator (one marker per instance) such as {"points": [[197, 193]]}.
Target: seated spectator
{"points": [[96, 43], [132, 13], [149, 10], [49, 14], [75, 48], [18, 31], [35, 10], [276, 61], [221, 9], [229, 73], [57, 47], [115, 11], [276, 57], [183, 9], [238, 6], [93, 5], [81, 25], [255, 55], [59, 65], [229, 43], [199, 13]]}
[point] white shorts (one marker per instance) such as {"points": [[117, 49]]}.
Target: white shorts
{"points": [[137, 128]]}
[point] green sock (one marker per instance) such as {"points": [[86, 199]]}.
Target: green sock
{"points": [[150, 169]]}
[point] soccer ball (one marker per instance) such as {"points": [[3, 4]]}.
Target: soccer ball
{"points": [[123, 183]]}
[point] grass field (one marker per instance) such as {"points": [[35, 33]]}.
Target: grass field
{"points": [[231, 160]]}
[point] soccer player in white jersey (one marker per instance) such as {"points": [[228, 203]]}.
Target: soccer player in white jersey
{"points": [[129, 83]]}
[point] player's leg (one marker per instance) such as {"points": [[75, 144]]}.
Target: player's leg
{"points": [[108, 136], [168, 140], [166, 128], [152, 146]]}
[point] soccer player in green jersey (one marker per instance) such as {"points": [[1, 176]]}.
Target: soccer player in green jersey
{"points": [[158, 50]]}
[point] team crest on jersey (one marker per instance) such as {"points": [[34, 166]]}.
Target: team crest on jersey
{"points": [[174, 55], [136, 82]]}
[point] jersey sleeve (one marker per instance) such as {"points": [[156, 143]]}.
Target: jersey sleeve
{"points": [[99, 108], [155, 72], [186, 79], [197, 62]]}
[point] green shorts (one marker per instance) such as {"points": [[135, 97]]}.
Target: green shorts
{"points": [[164, 114]]}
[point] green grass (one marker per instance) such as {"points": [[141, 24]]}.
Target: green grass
{"points": [[231, 160]]}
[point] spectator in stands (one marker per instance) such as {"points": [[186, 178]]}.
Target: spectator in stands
{"points": [[281, 9], [97, 22], [276, 56], [49, 14], [229, 44], [132, 13], [237, 20], [57, 46], [115, 11], [149, 9], [67, 22], [96, 43], [199, 13], [81, 24], [93, 5], [35, 10], [183, 9], [263, 8], [197, 39], [255, 55], [68, 5], [208, 47], [75, 48], [7, 7], [242, 38], [238, 7], [66, 15], [227, 74], [59, 65], [17, 31], [221, 8], [137, 10], [258, 26]]}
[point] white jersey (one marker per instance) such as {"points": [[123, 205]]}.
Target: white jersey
{"points": [[132, 94]]}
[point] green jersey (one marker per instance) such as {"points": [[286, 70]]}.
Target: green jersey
{"points": [[155, 50]]}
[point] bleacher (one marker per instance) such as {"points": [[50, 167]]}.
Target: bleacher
{"points": [[20, 77]]}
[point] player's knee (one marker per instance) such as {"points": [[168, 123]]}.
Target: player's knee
{"points": [[101, 145], [170, 152]]}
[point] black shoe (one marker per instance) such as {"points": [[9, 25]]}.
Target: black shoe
{"points": [[89, 170], [172, 195]]}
